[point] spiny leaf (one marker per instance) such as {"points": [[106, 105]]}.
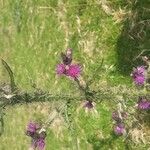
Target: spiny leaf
{"points": [[12, 81]]}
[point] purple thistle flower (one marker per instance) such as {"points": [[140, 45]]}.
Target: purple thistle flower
{"points": [[143, 104], [88, 105], [67, 58], [138, 75], [40, 143], [73, 71], [119, 129], [67, 68], [60, 69], [38, 138], [139, 80], [32, 128], [140, 70]]}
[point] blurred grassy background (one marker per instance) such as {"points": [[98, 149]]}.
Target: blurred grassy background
{"points": [[33, 33]]}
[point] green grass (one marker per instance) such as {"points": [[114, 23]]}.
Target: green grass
{"points": [[33, 33]]}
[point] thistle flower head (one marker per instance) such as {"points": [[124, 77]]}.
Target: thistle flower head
{"points": [[32, 128], [89, 105], [73, 71], [119, 129], [139, 80], [60, 69], [38, 138], [40, 143], [67, 58], [143, 104], [138, 75], [140, 70], [67, 68]]}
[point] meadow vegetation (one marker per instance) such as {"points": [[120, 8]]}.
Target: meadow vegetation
{"points": [[34, 33]]}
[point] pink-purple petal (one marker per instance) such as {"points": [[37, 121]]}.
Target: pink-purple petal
{"points": [[73, 71], [119, 129], [144, 105], [40, 143], [32, 127], [138, 75], [60, 69]]}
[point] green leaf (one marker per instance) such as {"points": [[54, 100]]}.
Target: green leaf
{"points": [[12, 81]]}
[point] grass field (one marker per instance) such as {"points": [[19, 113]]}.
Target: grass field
{"points": [[33, 33]]}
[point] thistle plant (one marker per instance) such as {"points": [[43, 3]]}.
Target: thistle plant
{"points": [[141, 77], [73, 71], [37, 131], [89, 97], [140, 112]]}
